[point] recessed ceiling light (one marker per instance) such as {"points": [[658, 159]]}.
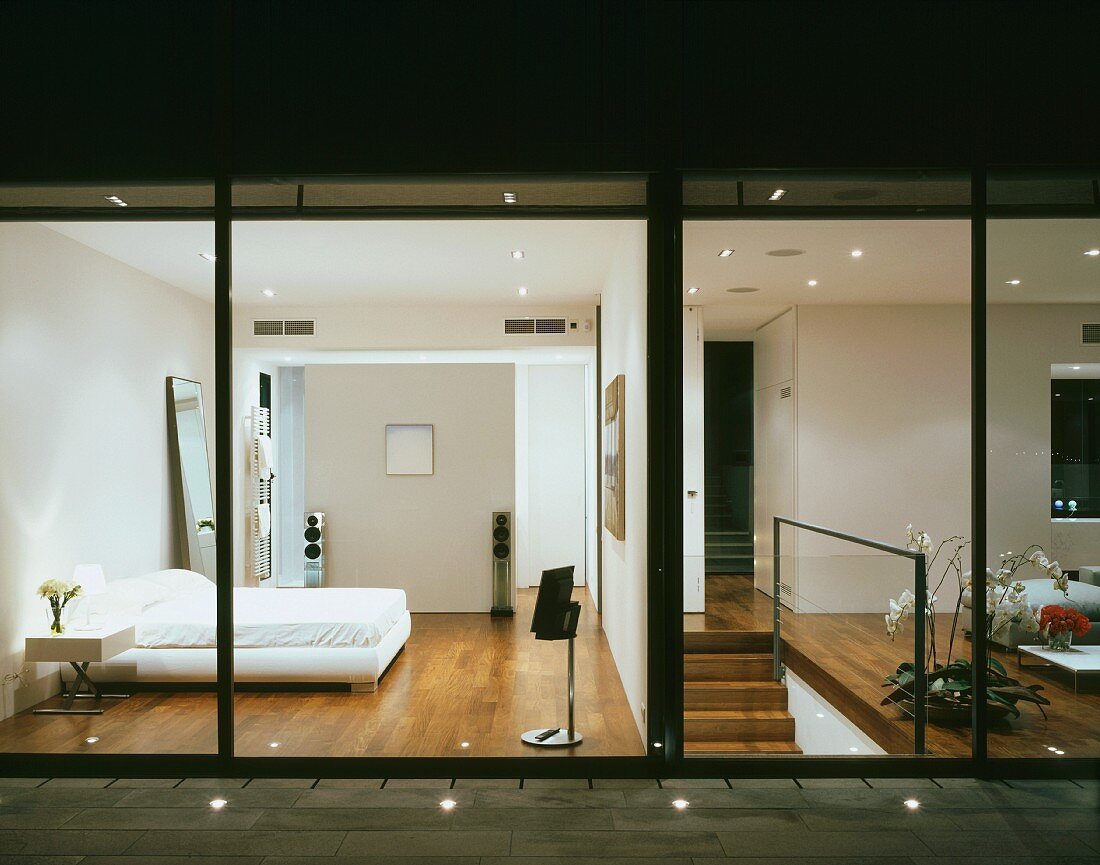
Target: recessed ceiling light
{"points": [[658, 745], [912, 804], [693, 290], [1057, 394], [854, 749], [1051, 748], [812, 283], [680, 804], [1075, 367], [522, 291], [857, 253], [725, 253], [447, 804], [742, 289], [91, 740], [518, 254], [268, 292], [1092, 252], [778, 194], [820, 714], [1059, 752], [1012, 282], [114, 199], [209, 256], [218, 804], [509, 198]]}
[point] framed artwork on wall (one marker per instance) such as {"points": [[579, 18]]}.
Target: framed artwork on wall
{"points": [[614, 457], [410, 449]]}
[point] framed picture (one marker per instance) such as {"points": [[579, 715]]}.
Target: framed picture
{"points": [[614, 457], [410, 449]]}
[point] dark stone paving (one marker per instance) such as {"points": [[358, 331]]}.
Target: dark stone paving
{"points": [[108, 821]]}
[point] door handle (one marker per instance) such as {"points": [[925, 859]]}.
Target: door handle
{"points": [[692, 493]]}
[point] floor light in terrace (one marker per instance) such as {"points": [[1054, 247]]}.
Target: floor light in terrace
{"points": [[912, 804], [218, 804], [447, 804], [464, 745], [273, 744], [680, 804], [91, 740]]}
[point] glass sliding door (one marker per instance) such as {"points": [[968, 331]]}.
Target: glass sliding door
{"points": [[1043, 294], [108, 563], [422, 433], [827, 411]]}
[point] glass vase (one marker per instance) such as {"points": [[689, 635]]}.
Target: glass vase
{"points": [[56, 625], [1060, 642]]}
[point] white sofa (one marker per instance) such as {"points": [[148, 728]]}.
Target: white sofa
{"points": [[1082, 596]]}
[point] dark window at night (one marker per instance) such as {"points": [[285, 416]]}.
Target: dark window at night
{"points": [[1075, 447]]}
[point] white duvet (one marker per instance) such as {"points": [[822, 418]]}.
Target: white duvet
{"points": [[178, 609]]}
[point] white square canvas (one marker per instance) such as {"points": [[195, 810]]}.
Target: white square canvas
{"points": [[410, 449]]}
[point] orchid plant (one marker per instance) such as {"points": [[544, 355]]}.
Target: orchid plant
{"points": [[949, 684]]}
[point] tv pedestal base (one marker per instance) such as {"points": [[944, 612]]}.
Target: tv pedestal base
{"points": [[562, 737]]}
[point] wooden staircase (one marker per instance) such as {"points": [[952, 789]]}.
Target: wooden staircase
{"points": [[732, 705]]}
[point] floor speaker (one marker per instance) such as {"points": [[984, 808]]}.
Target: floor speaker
{"points": [[500, 543], [313, 550]]}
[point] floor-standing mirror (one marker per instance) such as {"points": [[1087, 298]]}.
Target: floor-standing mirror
{"points": [[191, 476]]}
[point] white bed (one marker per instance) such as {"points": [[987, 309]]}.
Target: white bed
{"points": [[335, 637]]}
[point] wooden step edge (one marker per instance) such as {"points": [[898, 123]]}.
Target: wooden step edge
{"points": [[718, 749], [732, 657], [737, 715], [740, 685]]}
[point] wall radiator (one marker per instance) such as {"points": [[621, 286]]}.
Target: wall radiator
{"points": [[260, 564]]}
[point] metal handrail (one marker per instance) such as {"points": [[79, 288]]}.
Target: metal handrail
{"points": [[920, 589]]}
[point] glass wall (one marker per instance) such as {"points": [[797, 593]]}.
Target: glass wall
{"points": [[107, 569], [826, 365], [1043, 294], [420, 422]]}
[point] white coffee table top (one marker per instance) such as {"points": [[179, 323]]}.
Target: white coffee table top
{"points": [[1080, 659], [78, 646]]}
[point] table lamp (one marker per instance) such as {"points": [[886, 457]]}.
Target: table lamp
{"points": [[91, 580]]}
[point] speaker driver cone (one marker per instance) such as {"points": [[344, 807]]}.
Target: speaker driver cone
{"points": [[500, 551], [313, 534], [312, 551], [501, 534]]}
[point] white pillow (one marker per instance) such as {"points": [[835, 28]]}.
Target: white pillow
{"points": [[177, 581], [124, 599]]}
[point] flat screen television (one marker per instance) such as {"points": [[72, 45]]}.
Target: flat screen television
{"points": [[555, 615]]}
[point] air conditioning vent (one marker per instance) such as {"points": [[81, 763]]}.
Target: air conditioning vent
{"points": [[1090, 333], [549, 325], [784, 589], [267, 328], [519, 325], [785, 392], [301, 327]]}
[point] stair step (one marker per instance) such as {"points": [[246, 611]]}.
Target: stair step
{"points": [[727, 642], [722, 749], [705, 667], [725, 725], [735, 696]]}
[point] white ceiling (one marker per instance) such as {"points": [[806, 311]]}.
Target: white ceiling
{"points": [[408, 261], [903, 261], [434, 261], [1048, 257]]}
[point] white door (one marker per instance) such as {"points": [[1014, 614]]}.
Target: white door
{"points": [[774, 486], [556, 469], [694, 473]]}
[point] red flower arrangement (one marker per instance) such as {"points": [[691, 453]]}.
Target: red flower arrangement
{"points": [[1058, 620]]}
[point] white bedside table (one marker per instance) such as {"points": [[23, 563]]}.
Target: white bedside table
{"points": [[79, 649]]}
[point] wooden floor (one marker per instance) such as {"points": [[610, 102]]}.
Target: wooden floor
{"points": [[462, 678], [844, 657]]}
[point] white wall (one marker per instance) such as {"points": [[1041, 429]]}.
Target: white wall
{"points": [[883, 439], [430, 534], [625, 569], [694, 465], [554, 529], [1024, 340], [86, 344]]}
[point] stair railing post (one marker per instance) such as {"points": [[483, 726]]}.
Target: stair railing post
{"points": [[920, 673], [777, 661]]}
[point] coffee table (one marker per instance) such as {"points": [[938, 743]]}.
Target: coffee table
{"points": [[1076, 659]]}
